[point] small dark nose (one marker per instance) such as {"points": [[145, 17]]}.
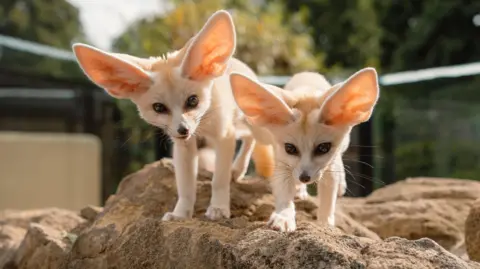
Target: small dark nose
{"points": [[304, 177], [182, 130]]}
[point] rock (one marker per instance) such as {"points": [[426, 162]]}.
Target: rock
{"points": [[44, 227], [56, 218], [412, 189], [237, 243], [417, 207], [10, 239], [353, 227], [42, 247], [152, 191], [472, 232], [90, 212], [129, 233]]}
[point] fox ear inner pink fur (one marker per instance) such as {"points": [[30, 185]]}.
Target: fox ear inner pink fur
{"points": [[259, 104], [121, 79], [208, 54], [353, 102]]}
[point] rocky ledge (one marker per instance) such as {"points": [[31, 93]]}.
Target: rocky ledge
{"points": [[415, 223]]}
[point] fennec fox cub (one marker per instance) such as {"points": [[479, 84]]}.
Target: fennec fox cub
{"points": [[187, 93], [309, 124]]}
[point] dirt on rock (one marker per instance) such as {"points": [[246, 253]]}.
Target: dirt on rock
{"points": [[128, 231], [38, 238], [472, 232], [419, 207]]}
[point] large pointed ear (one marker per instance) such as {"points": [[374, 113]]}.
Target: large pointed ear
{"points": [[258, 103], [120, 77], [353, 102], [208, 54]]}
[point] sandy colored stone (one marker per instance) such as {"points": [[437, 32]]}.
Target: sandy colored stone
{"points": [[417, 207], [42, 247], [60, 219], [237, 243], [152, 191], [90, 212], [472, 232], [129, 233], [10, 239], [24, 230], [412, 189]]}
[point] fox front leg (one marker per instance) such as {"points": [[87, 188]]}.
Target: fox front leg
{"points": [[185, 161], [327, 190], [220, 200], [240, 165], [283, 218], [302, 192]]}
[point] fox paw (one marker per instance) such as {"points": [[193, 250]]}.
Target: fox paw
{"points": [[238, 175], [302, 194], [326, 220], [170, 216], [215, 213], [281, 223]]}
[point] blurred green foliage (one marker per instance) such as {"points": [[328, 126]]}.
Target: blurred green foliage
{"points": [[437, 138], [347, 32], [283, 37], [50, 22], [407, 35], [266, 41], [422, 129]]}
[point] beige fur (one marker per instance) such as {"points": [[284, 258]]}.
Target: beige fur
{"points": [[307, 114], [161, 88]]}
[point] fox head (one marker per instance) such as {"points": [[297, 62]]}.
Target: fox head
{"points": [[171, 92], [308, 128]]}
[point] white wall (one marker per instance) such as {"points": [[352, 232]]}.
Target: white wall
{"points": [[49, 170]]}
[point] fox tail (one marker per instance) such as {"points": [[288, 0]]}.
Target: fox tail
{"points": [[263, 157]]}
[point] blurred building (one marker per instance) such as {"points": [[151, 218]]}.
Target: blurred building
{"points": [[39, 95]]}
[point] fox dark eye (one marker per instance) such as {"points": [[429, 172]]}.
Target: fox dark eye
{"points": [[291, 149], [160, 108], [192, 102], [322, 148]]}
